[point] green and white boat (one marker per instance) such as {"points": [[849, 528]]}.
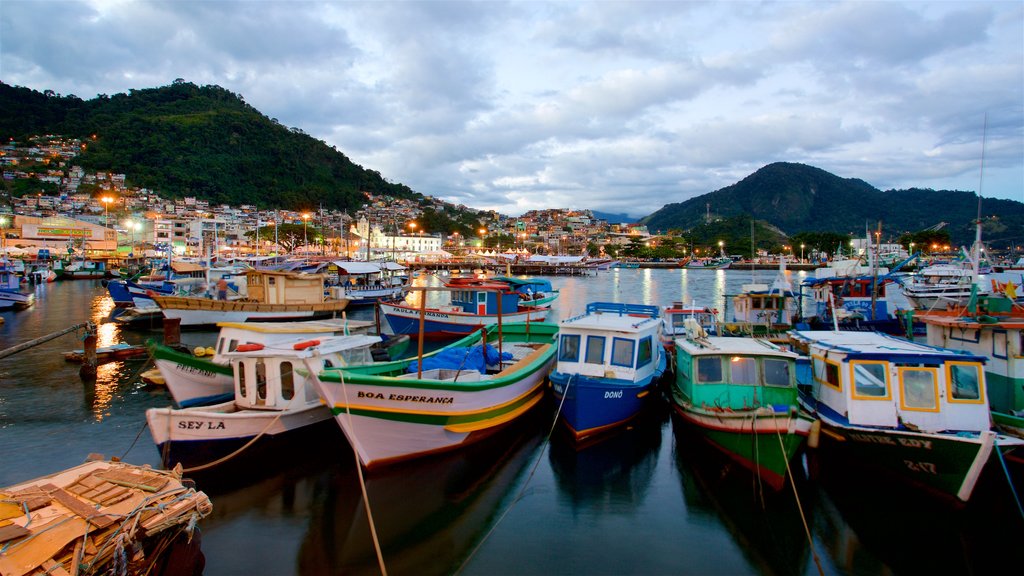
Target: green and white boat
{"points": [[741, 394], [917, 411]]}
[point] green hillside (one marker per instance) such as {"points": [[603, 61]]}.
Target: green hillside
{"points": [[187, 140], [797, 198]]}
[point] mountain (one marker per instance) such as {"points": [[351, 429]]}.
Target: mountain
{"points": [[614, 218], [187, 140], [797, 198]]}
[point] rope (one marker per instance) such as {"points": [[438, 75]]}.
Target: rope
{"points": [[233, 454], [1009, 480], [526, 484], [145, 423], [799, 506]]}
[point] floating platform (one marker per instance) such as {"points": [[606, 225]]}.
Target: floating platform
{"points": [[99, 517], [110, 353]]}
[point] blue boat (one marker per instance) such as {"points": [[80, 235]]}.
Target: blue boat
{"points": [[609, 361], [470, 308]]}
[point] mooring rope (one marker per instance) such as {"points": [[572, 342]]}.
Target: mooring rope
{"points": [[233, 454], [1009, 479], [799, 506], [526, 484]]}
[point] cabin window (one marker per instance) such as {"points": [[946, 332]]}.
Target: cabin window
{"points": [[595, 350], [220, 346], [826, 372], [645, 353], [622, 352], [233, 345], [756, 303], [919, 389], [870, 380], [569, 351], [969, 335], [776, 372], [999, 344], [709, 369], [964, 382], [261, 382], [287, 381], [240, 368], [743, 370], [678, 322]]}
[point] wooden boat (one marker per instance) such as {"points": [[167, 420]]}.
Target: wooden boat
{"points": [[194, 380], [272, 296], [470, 308], [535, 292], [710, 263], [365, 283], [11, 295], [856, 297], [741, 394], [110, 353], [401, 410], [762, 310], [99, 517], [679, 316], [610, 359], [915, 411], [993, 327], [273, 399]]}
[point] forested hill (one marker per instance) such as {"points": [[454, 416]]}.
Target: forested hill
{"points": [[187, 140], [797, 197]]}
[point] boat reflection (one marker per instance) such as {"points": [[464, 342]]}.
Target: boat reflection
{"points": [[610, 472], [428, 513], [767, 526]]}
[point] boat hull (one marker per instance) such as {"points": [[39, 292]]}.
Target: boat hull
{"points": [[761, 440], [592, 406], [207, 312], [192, 381], [438, 324]]}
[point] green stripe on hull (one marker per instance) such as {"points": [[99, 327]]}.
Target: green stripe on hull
{"points": [[939, 463], [161, 352], [444, 419]]}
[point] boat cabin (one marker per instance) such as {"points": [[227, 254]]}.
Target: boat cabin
{"points": [[277, 377], [678, 314], [485, 302], [871, 379], [234, 334], [730, 373], [611, 340], [271, 287]]}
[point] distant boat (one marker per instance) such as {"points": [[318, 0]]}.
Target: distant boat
{"points": [[274, 399], [710, 263], [621, 264], [408, 409], [679, 316], [610, 359], [856, 297], [80, 269], [913, 411], [11, 295], [536, 292], [941, 285], [468, 309], [762, 310], [741, 394]]}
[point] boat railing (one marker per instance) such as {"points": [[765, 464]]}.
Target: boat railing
{"points": [[624, 309]]}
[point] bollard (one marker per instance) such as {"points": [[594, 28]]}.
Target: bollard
{"points": [[172, 331], [88, 369]]}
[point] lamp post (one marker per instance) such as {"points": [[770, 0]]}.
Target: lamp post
{"points": [[132, 225], [106, 210], [801, 252], [721, 247], [305, 240], [3, 234]]}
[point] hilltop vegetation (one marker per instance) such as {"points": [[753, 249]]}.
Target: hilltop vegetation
{"points": [[187, 140]]}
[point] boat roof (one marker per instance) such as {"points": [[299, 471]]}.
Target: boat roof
{"points": [[875, 345], [732, 345], [963, 320], [610, 316], [325, 345], [301, 327]]}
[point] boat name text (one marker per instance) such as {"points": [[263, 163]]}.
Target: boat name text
{"points": [[407, 398], [907, 442], [198, 425]]}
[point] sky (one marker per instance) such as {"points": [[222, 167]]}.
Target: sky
{"points": [[620, 107]]}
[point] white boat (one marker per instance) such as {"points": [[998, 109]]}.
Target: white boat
{"points": [[762, 310], [273, 398], [941, 285], [199, 380], [679, 316]]}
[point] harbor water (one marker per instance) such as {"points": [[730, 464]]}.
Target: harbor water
{"points": [[653, 499]]}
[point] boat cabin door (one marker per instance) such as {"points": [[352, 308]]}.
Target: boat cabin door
{"points": [[265, 382]]}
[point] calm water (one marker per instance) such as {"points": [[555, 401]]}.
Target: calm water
{"points": [[652, 500]]}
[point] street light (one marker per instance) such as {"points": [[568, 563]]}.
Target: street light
{"points": [[106, 210], [801, 252], [305, 240], [132, 225]]}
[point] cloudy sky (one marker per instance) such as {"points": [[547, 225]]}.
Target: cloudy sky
{"points": [[615, 106]]}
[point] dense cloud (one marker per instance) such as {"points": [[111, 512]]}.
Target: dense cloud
{"points": [[620, 107]]}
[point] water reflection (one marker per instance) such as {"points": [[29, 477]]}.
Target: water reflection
{"points": [[767, 526], [429, 514]]}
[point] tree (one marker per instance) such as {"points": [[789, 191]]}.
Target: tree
{"points": [[289, 236]]}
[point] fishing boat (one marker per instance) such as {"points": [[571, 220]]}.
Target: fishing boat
{"points": [[273, 400], [990, 326], [11, 295], [536, 292], [451, 398], [196, 380], [741, 394], [272, 296], [80, 269], [610, 359], [720, 263], [762, 310], [679, 315], [102, 517], [940, 285], [915, 411], [469, 308], [365, 283]]}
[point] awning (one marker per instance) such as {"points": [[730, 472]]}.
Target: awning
{"points": [[351, 267]]}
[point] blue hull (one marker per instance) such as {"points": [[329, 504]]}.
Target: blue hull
{"points": [[122, 292], [411, 326], [593, 405]]}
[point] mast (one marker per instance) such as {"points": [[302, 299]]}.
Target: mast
{"points": [[976, 248]]}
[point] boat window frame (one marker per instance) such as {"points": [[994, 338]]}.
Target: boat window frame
{"points": [[827, 362], [721, 370], [968, 335], [286, 381], [756, 381], [632, 352], [648, 343], [948, 368], [240, 370], [902, 370], [562, 348], [1005, 351], [853, 380], [790, 368], [602, 340]]}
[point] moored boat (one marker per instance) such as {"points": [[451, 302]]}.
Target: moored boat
{"points": [[915, 411], [741, 394], [273, 399], [610, 359], [679, 316], [401, 410], [470, 308]]}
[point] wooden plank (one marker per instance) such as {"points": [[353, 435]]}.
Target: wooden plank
{"points": [[54, 568], [112, 494], [89, 481], [10, 510], [147, 482], [12, 531], [78, 507], [24, 557]]}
